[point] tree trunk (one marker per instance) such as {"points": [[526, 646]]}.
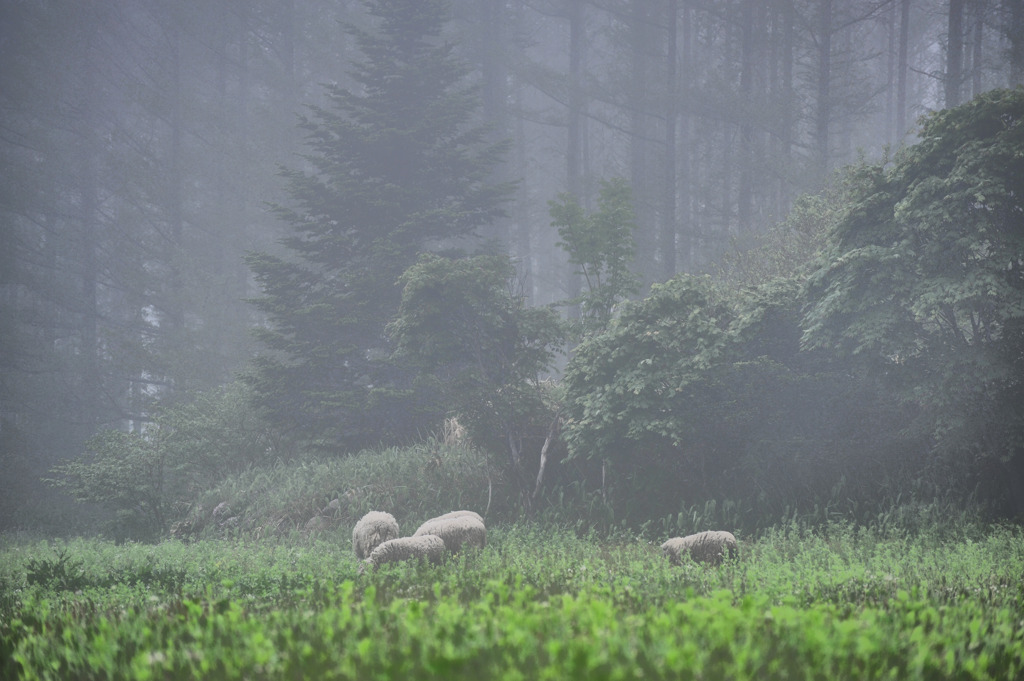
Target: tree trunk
{"points": [[1014, 28], [902, 69], [787, 101], [90, 397], [92, 381], [683, 151], [522, 238], [744, 195], [639, 133], [172, 325], [574, 147], [552, 434], [890, 74], [954, 53], [977, 40], [491, 51], [667, 240], [823, 112]]}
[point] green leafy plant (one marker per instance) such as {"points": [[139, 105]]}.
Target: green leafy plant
{"points": [[143, 476], [836, 601], [60, 573], [699, 393], [922, 284], [463, 323], [600, 245], [127, 473], [789, 247]]}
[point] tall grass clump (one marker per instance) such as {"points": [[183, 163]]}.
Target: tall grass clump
{"points": [[412, 483]]}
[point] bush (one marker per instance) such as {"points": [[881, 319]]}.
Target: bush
{"points": [[466, 327], [146, 477], [699, 393], [412, 483]]}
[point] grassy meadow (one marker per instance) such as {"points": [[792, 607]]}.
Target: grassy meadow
{"points": [[832, 601]]}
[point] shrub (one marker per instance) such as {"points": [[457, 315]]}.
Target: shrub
{"points": [[466, 327], [144, 476], [412, 483], [696, 394]]}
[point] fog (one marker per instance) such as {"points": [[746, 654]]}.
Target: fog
{"points": [[146, 147]]}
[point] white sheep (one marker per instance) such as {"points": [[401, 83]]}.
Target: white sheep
{"points": [[458, 531], [460, 514], [703, 547], [372, 530], [428, 547]]}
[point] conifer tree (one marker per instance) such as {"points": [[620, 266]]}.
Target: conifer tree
{"points": [[396, 165]]}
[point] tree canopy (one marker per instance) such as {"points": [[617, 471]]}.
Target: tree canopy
{"points": [[394, 167], [464, 323], [896, 353], [923, 280], [600, 244]]}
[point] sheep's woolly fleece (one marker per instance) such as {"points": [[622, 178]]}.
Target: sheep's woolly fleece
{"points": [[458, 531], [428, 547], [459, 514], [372, 530], [704, 547]]}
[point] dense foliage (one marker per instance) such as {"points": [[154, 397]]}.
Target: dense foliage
{"points": [[841, 603], [395, 166], [923, 283], [601, 247], [693, 396], [892, 360], [412, 483], [148, 477], [465, 325]]}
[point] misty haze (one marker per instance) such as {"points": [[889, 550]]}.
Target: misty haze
{"points": [[347, 339]]}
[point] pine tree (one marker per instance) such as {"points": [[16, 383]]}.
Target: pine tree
{"points": [[396, 165]]}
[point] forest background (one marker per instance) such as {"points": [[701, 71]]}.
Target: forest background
{"points": [[148, 149]]}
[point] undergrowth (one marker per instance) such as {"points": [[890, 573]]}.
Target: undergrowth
{"points": [[413, 483], [324, 497], [834, 601]]}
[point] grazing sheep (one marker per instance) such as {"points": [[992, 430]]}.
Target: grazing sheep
{"points": [[704, 547], [372, 530], [463, 530], [459, 514], [428, 547]]}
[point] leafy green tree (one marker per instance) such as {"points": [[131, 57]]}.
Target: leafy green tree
{"points": [[923, 282], [145, 477], [700, 392], [621, 384], [395, 166], [126, 473], [463, 322], [789, 247], [601, 246], [210, 435]]}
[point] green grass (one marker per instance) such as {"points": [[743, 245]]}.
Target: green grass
{"points": [[414, 483], [839, 602]]}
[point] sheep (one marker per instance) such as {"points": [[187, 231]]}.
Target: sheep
{"points": [[372, 530], [704, 547], [459, 514], [428, 547], [458, 531]]}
